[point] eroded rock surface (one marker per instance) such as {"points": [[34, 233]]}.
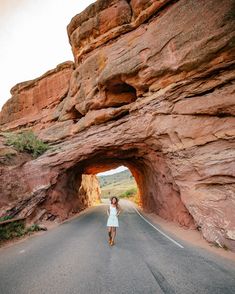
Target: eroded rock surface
{"points": [[153, 88]]}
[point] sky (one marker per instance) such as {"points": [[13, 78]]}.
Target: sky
{"points": [[112, 171], [33, 38]]}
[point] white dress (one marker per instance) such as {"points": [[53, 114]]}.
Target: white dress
{"points": [[112, 219]]}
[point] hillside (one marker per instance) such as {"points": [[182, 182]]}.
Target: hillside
{"points": [[120, 184]]}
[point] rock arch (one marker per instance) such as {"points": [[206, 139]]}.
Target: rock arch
{"points": [[157, 189]]}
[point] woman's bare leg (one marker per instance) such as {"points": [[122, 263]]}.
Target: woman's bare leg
{"points": [[110, 233], [113, 234]]}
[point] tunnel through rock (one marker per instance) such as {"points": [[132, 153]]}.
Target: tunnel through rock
{"points": [[157, 190]]}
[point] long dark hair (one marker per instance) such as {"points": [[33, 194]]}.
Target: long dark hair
{"points": [[116, 204]]}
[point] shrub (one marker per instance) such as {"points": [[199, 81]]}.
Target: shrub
{"points": [[6, 217], [11, 230], [33, 228], [128, 193], [28, 142], [16, 229]]}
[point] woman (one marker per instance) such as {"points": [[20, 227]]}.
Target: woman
{"points": [[113, 212]]}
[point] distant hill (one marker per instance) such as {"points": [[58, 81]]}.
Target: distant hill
{"points": [[114, 178], [120, 184]]}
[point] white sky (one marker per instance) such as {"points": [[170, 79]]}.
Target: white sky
{"points": [[33, 38], [112, 171]]}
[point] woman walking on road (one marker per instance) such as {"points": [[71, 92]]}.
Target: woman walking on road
{"points": [[113, 212]]}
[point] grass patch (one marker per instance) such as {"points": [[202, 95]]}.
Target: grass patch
{"points": [[28, 142], [16, 229], [129, 193], [118, 188]]}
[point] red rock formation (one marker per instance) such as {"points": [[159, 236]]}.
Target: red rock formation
{"points": [[71, 193], [152, 88], [35, 101]]}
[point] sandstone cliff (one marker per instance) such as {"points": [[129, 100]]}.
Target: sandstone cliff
{"points": [[152, 87]]}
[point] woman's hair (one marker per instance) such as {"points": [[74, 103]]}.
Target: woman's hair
{"points": [[116, 204]]}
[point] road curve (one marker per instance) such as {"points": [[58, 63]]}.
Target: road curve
{"points": [[75, 257]]}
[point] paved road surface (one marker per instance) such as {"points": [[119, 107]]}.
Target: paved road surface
{"points": [[76, 258]]}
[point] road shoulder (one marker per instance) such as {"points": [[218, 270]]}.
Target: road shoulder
{"points": [[191, 236]]}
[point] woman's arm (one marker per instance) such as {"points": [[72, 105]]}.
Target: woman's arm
{"points": [[119, 210], [108, 211]]}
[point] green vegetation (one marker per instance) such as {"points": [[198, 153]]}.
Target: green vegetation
{"points": [[129, 193], [11, 230], [16, 229], [28, 142], [124, 176], [6, 217], [33, 228], [121, 184]]}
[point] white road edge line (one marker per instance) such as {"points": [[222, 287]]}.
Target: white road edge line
{"points": [[169, 238]]}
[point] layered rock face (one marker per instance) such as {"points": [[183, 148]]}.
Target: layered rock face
{"points": [[151, 88], [71, 193]]}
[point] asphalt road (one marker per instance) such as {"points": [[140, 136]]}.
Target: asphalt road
{"points": [[75, 257]]}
